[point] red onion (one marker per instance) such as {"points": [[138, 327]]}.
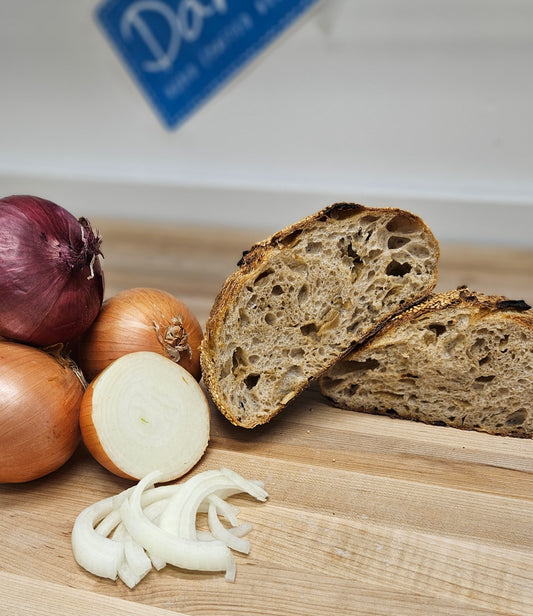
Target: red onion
{"points": [[51, 280]]}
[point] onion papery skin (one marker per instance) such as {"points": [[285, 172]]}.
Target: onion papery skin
{"points": [[141, 319], [39, 413], [51, 280]]}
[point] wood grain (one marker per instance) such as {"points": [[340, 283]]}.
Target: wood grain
{"points": [[366, 515]]}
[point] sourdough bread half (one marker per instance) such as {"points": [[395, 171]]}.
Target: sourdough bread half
{"points": [[460, 359], [300, 299]]}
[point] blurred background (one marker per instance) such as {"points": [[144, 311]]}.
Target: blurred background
{"points": [[421, 104]]}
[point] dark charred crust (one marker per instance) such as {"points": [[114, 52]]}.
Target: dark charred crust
{"points": [[467, 296], [342, 210], [241, 260], [513, 304]]}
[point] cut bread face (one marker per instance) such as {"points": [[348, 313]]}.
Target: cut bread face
{"points": [[460, 359], [302, 297]]}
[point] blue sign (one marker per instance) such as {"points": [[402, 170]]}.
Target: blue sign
{"points": [[181, 52]]}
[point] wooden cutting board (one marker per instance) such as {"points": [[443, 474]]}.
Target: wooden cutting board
{"points": [[366, 515]]}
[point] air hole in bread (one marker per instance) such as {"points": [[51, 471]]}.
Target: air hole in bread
{"points": [[370, 274], [503, 343], [348, 251], [297, 353], [225, 370], [418, 251], [262, 276], [517, 418], [486, 379], [368, 364], [313, 247], [480, 345], [354, 256], [397, 269], [396, 241], [290, 239], [243, 317], [251, 380], [451, 343], [303, 293], [342, 213], [310, 330], [402, 224], [299, 267], [350, 391], [352, 327], [277, 290], [270, 318], [239, 358]]}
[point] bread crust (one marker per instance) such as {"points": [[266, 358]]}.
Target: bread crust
{"points": [[248, 266]]}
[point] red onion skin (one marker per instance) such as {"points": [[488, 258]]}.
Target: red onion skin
{"points": [[51, 280]]}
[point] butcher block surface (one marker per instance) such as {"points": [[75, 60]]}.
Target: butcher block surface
{"points": [[366, 515]]}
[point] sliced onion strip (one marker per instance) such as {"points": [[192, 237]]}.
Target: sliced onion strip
{"points": [[175, 550], [95, 553], [224, 508], [220, 532]]}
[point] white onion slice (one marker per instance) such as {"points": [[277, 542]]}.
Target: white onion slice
{"points": [[253, 488], [180, 515], [177, 551], [231, 572], [222, 533], [109, 523], [224, 508], [152, 512], [242, 530], [150, 496], [97, 554], [136, 564]]}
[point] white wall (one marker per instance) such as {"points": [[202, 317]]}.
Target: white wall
{"points": [[424, 104]]}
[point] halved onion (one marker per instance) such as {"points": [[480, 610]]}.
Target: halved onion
{"points": [[145, 412]]}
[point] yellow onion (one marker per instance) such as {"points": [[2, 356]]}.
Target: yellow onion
{"points": [[141, 319], [51, 282], [40, 401]]}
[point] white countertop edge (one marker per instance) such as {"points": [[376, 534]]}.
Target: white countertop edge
{"points": [[453, 218]]}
